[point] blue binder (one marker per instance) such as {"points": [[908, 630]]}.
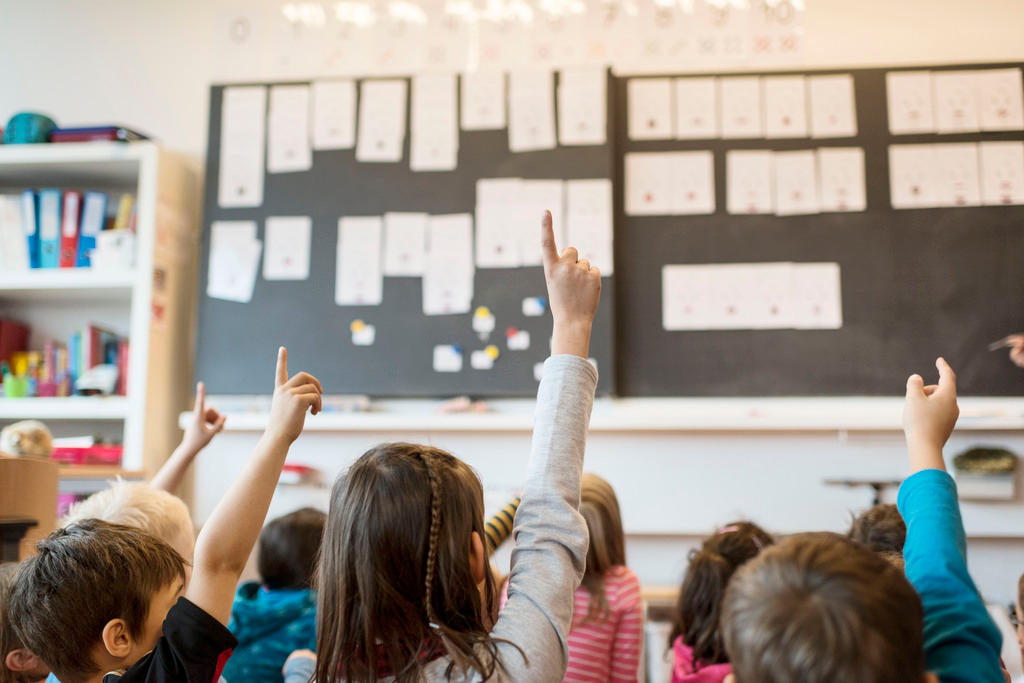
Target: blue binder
{"points": [[30, 224], [49, 228], [94, 211]]}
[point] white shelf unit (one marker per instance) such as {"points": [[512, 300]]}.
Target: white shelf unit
{"points": [[56, 302]]}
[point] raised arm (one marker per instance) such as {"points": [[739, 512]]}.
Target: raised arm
{"points": [[961, 642], [550, 535], [205, 424], [228, 537]]}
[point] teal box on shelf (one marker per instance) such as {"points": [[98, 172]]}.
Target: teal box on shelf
{"points": [[28, 128]]}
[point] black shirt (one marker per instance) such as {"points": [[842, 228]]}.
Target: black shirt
{"points": [[193, 649]]}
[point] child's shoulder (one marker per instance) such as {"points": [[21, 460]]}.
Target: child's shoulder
{"points": [[622, 584]]}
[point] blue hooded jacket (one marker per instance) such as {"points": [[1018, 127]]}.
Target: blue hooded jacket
{"points": [[269, 625]]}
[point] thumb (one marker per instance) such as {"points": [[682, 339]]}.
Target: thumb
{"points": [[282, 367], [915, 387]]}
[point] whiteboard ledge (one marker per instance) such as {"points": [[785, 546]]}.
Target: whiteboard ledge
{"points": [[817, 414]]}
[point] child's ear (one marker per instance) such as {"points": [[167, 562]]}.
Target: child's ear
{"points": [[116, 639], [477, 558], [21, 659]]}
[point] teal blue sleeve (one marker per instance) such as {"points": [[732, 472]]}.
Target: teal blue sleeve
{"points": [[961, 643]]}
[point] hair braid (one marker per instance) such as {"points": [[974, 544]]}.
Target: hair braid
{"points": [[435, 533]]}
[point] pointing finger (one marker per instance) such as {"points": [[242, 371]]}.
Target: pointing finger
{"points": [[282, 367], [547, 240]]}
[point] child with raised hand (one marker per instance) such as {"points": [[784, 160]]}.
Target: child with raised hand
{"points": [[403, 551], [820, 608], [961, 642], [205, 424], [696, 638], [102, 597]]}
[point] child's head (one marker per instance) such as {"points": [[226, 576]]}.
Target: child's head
{"points": [[600, 509], [881, 529], [17, 664], [820, 608], [1019, 607], [400, 564], [95, 597], [139, 505], [288, 549], [698, 613]]}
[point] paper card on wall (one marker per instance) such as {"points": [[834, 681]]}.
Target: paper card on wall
{"points": [[684, 300], [648, 183], [696, 106], [796, 187], [242, 126], [534, 198], [1001, 99], [956, 101], [693, 182], [531, 110], [288, 147], [957, 182], [287, 240], [447, 358], [381, 134], [748, 180], [498, 228], [833, 110], [910, 102], [1002, 172], [785, 106], [483, 100], [582, 104], [481, 359], [649, 112], [841, 179], [434, 126], [334, 114], [448, 274], [817, 301], [739, 104], [912, 176], [234, 261], [768, 296], [589, 221], [405, 243], [359, 281]]}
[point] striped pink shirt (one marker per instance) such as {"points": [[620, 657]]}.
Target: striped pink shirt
{"points": [[607, 651]]}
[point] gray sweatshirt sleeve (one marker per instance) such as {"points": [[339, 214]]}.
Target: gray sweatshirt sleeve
{"points": [[299, 670], [550, 534]]}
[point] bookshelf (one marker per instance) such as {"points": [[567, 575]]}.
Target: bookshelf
{"points": [[152, 304]]}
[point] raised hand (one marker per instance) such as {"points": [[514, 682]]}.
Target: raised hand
{"points": [[292, 398], [206, 423], [574, 290], [929, 415]]}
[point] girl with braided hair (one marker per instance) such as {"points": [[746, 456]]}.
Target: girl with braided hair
{"points": [[404, 592]]}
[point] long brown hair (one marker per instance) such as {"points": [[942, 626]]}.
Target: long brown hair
{"points": [[394, 576], [698, 613], [600, 508]]}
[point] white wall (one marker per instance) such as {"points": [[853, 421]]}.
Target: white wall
{"points": [[149, 64]]}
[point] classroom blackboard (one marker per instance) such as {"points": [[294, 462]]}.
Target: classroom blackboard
{"points": [[915, 283], [237, 342]]}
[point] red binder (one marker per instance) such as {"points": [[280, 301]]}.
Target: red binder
{"points": [[69, 228]]}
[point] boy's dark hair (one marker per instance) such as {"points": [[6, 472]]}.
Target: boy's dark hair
{"points": [[289, 547], [83, 576], [698, 611], [881, 528], [8, 639], [819, 608]]}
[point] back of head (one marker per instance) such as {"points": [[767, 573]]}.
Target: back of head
{"points": [[139, 505], [881, 528], [288, 549], [700, 598], [600, 508], [820, 608], [394, 579], [83, 576], [8, 639]]}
